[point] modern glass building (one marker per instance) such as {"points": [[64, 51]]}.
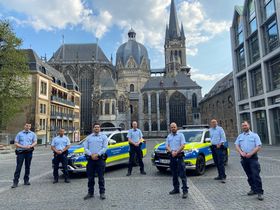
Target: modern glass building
{"points": [[256, 64]]}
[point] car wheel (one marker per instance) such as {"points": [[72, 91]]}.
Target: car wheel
{"points": [[162, 169], [225, 156], [200, 165]]}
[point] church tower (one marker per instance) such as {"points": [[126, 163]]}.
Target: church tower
{"points": [[174, 47]]}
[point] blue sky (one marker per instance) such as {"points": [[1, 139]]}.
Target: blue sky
{"points": [[41, 25]]}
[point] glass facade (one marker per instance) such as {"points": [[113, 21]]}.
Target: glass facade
{"points": [[239, 32], [269, 8], [254, 48], [274, 74], [257, 83], [240, 58], [261, 125], [252, 18], [243, 89], [276, 122], [271, 35]]}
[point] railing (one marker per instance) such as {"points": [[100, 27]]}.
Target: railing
{"points": [[62, 100]]}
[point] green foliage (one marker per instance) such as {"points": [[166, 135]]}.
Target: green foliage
{"points": [[15, 85]]}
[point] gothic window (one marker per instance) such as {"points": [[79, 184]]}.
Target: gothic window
{"points": [[146, 126], [145, 103], [154, 103], [154, 126], [131, 88], [101, 108], [131, 109], [194, 101], [177, 107], [107, 108], [113, 107], [121, 104], [163, 126], [162, 103]]}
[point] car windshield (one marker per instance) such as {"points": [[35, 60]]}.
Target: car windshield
{"points": [[106, 133], [192, 136]]}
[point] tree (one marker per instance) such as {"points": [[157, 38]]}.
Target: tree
{"points": [[15, 86]]}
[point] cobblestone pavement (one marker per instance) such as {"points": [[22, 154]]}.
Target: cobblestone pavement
{"points": [[138, 191]]}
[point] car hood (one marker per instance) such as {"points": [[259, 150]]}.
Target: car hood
{"points": [[192, 145], [76, 148]]}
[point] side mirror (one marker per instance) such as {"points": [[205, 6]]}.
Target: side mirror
{"points": [[207, 140], [112, 141]]}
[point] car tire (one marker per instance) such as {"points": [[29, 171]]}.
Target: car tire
{"points": [[200, 165], [225, 151], [162, 169]]}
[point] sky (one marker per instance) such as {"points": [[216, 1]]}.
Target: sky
{"points": [[42, 24]]}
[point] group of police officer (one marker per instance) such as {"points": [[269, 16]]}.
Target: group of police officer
{"points": [[247, 144]]}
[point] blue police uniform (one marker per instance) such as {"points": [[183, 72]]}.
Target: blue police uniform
{"points": [[177, 164], [96, 144], [217, 136], [135, 135], [60, 143], [248, 141], [24, 138]]}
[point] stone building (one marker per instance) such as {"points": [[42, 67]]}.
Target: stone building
{"points": [[219, 104], [256, 66], [116, 95]]}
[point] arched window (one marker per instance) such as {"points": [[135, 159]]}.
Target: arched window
{"points": [[146, 126], [154, 103], [131, 109], [194, 100], [154, 126], [163, 126], [177, 107], [113, 107], [107, 108], [145, 103], [162, 103], [131, 88], [121, 104]]}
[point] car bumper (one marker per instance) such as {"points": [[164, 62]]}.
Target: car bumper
{"points": [[189, 164]]}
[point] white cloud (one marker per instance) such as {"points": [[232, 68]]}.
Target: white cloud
{"points": [[197, 75]]}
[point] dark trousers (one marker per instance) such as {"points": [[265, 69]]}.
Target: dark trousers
{"points": [[96, 166], [62, 158], [26, 158], [252, 169], [218, 157], [138, 152], [178, 169]]}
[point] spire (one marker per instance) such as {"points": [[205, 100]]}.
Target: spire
{"points": [[167, 38], [131, 34], [182, 32], [174, 31]]}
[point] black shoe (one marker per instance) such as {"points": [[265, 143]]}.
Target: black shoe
{"points": [[128, 174], [251, 193], [185, 195], [14, 185], [217, 178], [173, 192], [55, 181], [102, 196], [223, 180], [143, 173], [88, 196], [260, 197], [67, 181], [27, 183]]}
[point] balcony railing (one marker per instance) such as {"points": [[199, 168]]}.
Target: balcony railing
{"points": [[62, 100]]}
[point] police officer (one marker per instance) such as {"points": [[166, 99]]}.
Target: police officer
{"points": [[218, 138], [135, 140], [60, 145], [248, 144], [25, 142], [175, 144], [95, 146]]}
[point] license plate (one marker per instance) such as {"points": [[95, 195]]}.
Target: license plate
{"points": [[165, 161]]}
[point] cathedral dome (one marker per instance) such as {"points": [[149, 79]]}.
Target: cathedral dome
{"points": [[132, 48]]}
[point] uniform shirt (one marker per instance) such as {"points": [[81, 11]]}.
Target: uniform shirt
{"points": [[217, 135], [96, 144], [135, 135], [175, 141], [248, 141], [60, 142], [26, 138]]}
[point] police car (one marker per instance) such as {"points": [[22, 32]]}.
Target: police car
{"points": [[197, 151], [117, 152]]}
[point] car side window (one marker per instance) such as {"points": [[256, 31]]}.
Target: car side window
{"points": [[117, 137], [125, 137], [207, 135]]}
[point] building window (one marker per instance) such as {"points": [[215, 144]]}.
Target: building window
{"points": [[194, 101], [131, 109], [243, 89], [101, 108], [274, 74], [257, 84], [162, 103], [154, 126], [145, 101], [43, 109], [43, 89], [269, 8], [163, 125], [113, 107], [146, 126], [245, 117], [121, 105], [154, 103], [107, 108], [271, 35], [239, 31], [240, 58], [252, 17], [131, 88], [254, 48], [42, 124]]}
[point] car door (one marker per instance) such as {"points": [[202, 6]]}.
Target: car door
{"points": [[208, 144], [116, 150]]}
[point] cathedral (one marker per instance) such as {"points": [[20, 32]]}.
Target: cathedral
{"points": [[117, 94]]}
